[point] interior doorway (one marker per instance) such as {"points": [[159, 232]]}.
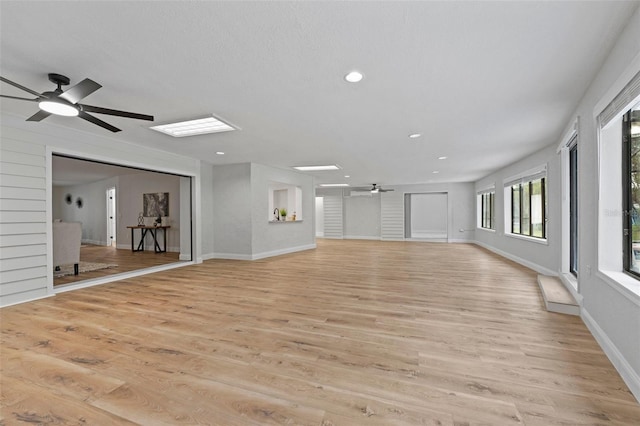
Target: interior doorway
{"points": [[319, 217], [111, 217], [426, 216]]}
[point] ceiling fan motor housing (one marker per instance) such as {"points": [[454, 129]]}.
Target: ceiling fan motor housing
{"points": [[59, 79]]}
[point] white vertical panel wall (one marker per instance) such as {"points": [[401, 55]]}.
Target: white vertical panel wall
{"points": [[333, 227], [23, 222], [392, 215]]}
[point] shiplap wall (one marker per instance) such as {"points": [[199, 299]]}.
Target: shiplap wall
{"points": [[333, 215], [392, 215], [23, 221]]}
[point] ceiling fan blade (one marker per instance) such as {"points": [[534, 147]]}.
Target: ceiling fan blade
{"points": [[80, 90], [100, 110], [21, 87], [39, 116], [20, 99], [97, 121]]}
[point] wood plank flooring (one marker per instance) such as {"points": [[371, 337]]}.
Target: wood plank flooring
{"points": [[352, 333], [125, 259]]}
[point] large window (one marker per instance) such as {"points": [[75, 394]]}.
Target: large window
{"points": [[487, 209], [573, 208], [631, 190], [528, 206]]}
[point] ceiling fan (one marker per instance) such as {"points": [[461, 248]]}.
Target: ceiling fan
{"points": [[375, 189], [65, 103]]}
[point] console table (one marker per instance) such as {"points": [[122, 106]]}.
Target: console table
{"points": [[153, 230]]}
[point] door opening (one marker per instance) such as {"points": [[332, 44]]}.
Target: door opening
{"points": [[111, 217]]}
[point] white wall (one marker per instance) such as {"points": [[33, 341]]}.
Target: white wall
{"points": [[269, 238], [93, 213], [389, 209], [242, 225], [232, 211], [612, 315], [207, 219], [319, 217], [362, 217], [429, 215], [26, 195], [542, 257]]}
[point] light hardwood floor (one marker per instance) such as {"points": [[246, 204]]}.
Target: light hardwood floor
{"points": [[125, 259], [353, 333]]}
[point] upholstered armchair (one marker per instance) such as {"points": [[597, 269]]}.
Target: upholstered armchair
{"points": [[67, 238]]}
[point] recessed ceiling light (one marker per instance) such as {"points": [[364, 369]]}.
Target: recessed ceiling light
{"points": [[316, 168], [442, 158], [415, 135], [353, 77], [334, 184], [435, 172], [220, 153], [347, 176], [200, 126]]}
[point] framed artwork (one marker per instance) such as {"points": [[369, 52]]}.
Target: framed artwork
{"points": [[155, 204]]}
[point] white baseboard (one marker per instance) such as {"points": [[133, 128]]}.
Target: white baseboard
{"points": [[524, 262], [282, 251], [231, 256], [361, 237], [184, 256], [263, 255], [94, 242], [630, 377], [461, 240], [149, 247], [207, 256]]}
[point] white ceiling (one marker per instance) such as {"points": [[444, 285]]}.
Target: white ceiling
{"points": [[485, 83]]}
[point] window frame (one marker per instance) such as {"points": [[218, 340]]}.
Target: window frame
{"points": [[519, 210], [487, 222]]}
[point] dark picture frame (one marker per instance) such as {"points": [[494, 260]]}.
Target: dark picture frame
{"points": [[155, 204]]}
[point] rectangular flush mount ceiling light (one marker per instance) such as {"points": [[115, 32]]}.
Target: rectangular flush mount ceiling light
{"points": [[334, 184], [316, 168], [194, 127]]}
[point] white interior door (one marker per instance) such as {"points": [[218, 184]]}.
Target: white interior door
{"points": [[111, 217]]}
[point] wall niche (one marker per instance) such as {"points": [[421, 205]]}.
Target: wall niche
{"points": [[284, 197]]}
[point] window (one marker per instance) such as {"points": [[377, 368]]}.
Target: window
{"points": [[631, 190], [527, 204], [487, 209], [573, 208]]}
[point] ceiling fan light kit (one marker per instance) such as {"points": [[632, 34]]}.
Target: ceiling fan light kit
{"points": [[65, 103]]}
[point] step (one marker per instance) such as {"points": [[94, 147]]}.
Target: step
{"points": [[556, 296]]}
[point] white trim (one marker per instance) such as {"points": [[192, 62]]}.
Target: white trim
{"points": [[95, 242], [539, 269], [460, 241], [231, 256], [33, 299], [361, 237], [263, 255], [614, 90], [568, 136], [486, 188], [118, 277], [537, 240], [623, 367], [480, 228], [628, 286], [282, 251], [207, 256], [525, 175]]}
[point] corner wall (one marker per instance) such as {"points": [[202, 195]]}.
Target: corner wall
{"points": [[26, 259]]}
